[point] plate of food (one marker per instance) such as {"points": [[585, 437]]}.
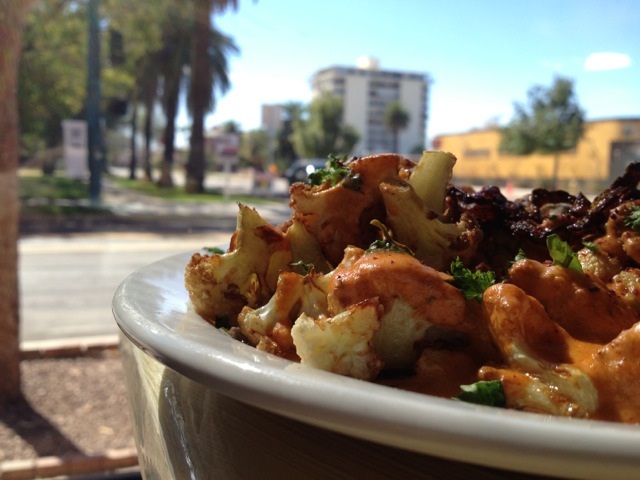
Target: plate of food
{"points": [[398, 308]]}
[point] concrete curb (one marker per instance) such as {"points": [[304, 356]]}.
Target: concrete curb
{"points": [[71, 347], [47, 467]]}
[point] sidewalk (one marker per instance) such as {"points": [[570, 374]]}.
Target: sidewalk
{"points": [[69, 271], [134, 211]]}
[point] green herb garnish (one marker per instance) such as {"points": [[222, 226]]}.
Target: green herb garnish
{"points": [[488, 393], [562, 255], [387, 241], [472, 284], [590, 245], [519, 256], [213, 250], [336, 172], [633, 219], [305, 267]]}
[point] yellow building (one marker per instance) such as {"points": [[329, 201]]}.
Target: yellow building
{"points": [[602, 154]]}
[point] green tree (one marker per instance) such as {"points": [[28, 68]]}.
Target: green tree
{"points": [[173, 57], [131, 76], [551, 122], [52, 73], [209, 72], [12, 15], [254, 149], [322, 131], [285, 151], [396, 118]]}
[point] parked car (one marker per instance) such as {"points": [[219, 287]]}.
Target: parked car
{"points": [[300, 170]]}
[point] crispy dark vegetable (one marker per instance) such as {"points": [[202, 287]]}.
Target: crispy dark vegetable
{"points": [[524, 224]]}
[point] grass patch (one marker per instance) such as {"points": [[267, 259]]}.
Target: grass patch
{"points": [[52, 188], [53, 195], [179, 195]]}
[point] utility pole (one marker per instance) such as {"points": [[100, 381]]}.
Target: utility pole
{"points": [[92, 105]]}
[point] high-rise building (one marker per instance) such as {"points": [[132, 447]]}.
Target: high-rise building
{"points": [[367, 91], [271, 119]]}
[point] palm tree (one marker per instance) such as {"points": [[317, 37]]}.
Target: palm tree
{"points": [[173, 58], [209, 71], [396, 118], [148, 84], [285, 151], [12, 16]]}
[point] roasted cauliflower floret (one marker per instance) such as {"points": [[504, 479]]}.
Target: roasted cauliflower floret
{"points": [[418, 228], [626, 286], [540, 373], [343, 343], [220, 285], [622, 237], [413, 297], [599, 264], [269, 327], [580, 303], [339, 215], [615, 370]]}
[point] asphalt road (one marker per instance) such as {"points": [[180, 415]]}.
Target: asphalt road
{"points": [[67, 283]]}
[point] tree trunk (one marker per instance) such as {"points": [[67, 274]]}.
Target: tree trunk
{"points": [[133, 163], [166, 180], [148, 124], [11, 17], [201, 94]]}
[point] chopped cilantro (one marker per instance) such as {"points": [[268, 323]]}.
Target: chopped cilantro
{"points": [[472, 284], [488, 393], [213, 250], [633, 219], [519, 256], [387, 241], [561, 253], [305, 267], [336, 172]]}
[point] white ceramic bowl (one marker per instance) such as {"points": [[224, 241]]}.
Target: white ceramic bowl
{"points": [[152, 309]]}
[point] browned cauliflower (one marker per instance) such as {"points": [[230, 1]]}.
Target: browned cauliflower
{"points": [[220, 285]]}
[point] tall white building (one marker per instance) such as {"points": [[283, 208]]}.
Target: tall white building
{"points": [[366, 91]]}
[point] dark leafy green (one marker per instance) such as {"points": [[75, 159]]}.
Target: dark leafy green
{"points": [[472, 284], [305, 267], [562, 255], [336, 172], [633, 219], [488, 393], [213, 250], [387, 242]]}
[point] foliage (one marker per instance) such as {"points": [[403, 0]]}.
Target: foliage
{"points": [[209, 74], [551, 122], [254, 149], [53, 69], [52, 73], [285, 151], [322, 132], [177, 194], [51, 187], [396, 118]]}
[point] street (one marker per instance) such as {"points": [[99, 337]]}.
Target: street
{"points": [[67, 283]]}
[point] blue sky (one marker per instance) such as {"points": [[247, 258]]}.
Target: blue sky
{"points": [[482, 55]]}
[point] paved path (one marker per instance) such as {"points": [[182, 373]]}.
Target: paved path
{"points": [[67, 281]]}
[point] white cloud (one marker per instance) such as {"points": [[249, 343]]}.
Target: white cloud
{"points": [[606, 61]]}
